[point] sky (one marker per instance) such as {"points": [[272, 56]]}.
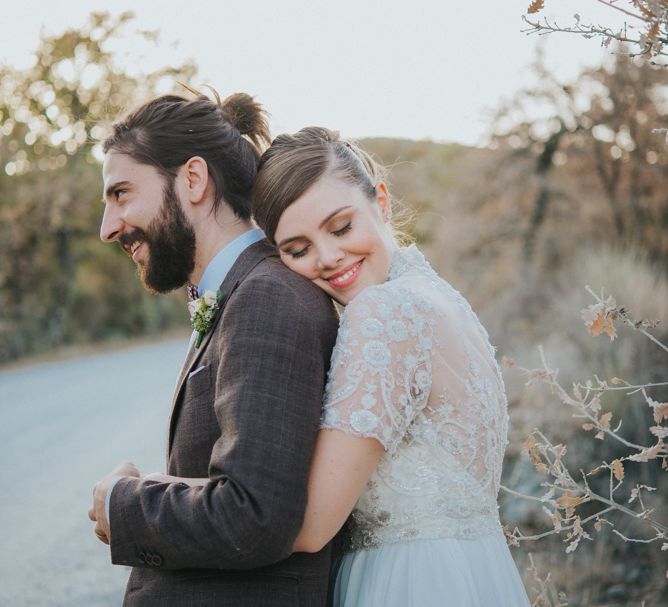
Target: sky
{"points": [[420, 69]]}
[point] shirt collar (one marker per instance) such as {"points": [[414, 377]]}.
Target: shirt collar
{"points": [[215, 273]]}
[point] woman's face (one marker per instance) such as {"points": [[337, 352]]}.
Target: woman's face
{"points": [[337, 237]]}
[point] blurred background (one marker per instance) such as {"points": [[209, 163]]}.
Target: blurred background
{"points": [[531, 164]]}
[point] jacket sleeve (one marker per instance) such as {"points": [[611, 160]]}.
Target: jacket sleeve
{"points": [[274, 352]]}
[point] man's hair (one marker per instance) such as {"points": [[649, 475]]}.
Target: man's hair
{"points": [[169, 130]]}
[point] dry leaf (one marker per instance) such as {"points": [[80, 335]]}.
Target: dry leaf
{"points": [[659, 431], [529, 443], [559, 450], [653, 32], [570, 500], [535, 6], [618, 469], [587, 426], [660, 410], [604, 421], [599, 317], [647, 454], [507, 362]]}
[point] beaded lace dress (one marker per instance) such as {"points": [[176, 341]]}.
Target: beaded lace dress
{"points": [[414, 369]]}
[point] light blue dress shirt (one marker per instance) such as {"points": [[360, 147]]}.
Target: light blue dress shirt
{"points": [[213, 276]]}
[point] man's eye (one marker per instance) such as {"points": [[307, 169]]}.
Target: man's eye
{"points": [[344, 230]]}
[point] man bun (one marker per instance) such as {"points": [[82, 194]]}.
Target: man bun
{"points": [[248, 117]]}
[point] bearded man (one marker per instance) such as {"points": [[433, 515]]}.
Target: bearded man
{"points": [[218, 527]]}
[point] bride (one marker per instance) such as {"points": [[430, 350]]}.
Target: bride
{"points": [[415, 417]]}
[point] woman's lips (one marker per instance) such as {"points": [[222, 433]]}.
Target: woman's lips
{"points": [[345, 277]]}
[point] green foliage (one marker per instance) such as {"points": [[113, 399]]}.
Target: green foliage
{"points": [[58, 282]]}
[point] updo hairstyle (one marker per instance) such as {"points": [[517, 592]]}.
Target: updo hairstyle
{"points": [[293, 163]]}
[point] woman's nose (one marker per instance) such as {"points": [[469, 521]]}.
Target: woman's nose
{"points": [[330, 257]]}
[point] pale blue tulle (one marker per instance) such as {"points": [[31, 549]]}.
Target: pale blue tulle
{"points": [[431, 573]]}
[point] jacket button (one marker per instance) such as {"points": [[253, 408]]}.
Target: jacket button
{"points": [[142, 558]]}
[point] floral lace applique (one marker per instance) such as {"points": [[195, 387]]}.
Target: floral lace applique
{"points": [[413, 368]]}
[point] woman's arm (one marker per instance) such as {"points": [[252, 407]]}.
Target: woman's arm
{"points": [[341, 466]]}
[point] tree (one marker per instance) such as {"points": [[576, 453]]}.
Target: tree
{"points": [[646, 28], [590, 161], [51, 118]]}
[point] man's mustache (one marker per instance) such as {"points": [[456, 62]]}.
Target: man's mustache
{"points": [[126, 239]]}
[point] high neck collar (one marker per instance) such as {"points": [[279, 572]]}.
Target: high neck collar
{"points": [[405, 259]]}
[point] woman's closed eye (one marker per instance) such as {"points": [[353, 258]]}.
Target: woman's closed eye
{"points": [[344, 230], [299, 253]]}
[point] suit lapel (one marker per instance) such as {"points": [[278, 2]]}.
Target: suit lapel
{"points": [[248, 259]]}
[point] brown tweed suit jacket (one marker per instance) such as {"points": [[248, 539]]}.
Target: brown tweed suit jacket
{"points": [[245, 414]]}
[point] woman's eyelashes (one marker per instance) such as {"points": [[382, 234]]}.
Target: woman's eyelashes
{"points": [[298, 254], [344, 230]]}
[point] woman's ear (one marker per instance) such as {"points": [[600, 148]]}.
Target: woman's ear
{"points": [[383, 201], [196, 179]]}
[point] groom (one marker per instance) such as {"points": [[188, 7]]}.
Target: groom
{"points": [[177, 181]]}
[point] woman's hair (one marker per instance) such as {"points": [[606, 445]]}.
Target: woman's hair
{"points": [[293, 163], [229, 135]]}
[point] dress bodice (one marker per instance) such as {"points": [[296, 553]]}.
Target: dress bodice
{"points": [[413, 368]]}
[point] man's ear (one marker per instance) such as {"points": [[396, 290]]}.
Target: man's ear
{"points": [[196, 179], [383, 200]]}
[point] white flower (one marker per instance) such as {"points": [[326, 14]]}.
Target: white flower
{"points": [[210, 298], [363, 421], [202, 313]]}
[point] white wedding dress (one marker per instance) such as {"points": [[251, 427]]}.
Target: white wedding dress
{"points": [[413, 368]]}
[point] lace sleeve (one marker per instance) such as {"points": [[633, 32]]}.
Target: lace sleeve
{"points": [[380, 374]]}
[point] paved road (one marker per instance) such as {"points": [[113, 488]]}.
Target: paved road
{"points": [[62, 426]]}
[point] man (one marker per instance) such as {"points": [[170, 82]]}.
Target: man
{"points": [[177, 181]]}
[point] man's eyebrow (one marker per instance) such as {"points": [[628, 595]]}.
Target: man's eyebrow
{"points": [[322, 223], [113, 187]]}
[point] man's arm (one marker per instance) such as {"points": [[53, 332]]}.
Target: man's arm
{"points": [[271, 372]]}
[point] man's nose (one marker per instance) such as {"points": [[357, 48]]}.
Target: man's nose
{"points": [[112, 224]]}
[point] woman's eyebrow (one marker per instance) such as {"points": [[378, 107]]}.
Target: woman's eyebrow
{"points": [[326, 219]]}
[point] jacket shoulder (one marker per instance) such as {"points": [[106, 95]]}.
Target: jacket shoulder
{"points": [[271, 278]]}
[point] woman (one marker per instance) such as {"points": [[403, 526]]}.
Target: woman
{"points": [[415, 417]]}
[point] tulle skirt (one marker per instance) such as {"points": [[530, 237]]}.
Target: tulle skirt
{"points": [[430, 573]]}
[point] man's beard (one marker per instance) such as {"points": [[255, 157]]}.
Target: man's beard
{"points": [[171, 244]]}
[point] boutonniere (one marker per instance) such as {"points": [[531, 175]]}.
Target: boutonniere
{"points": [[202, 312]]}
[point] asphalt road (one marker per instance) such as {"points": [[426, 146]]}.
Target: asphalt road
{"points": [[64, 425]]}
